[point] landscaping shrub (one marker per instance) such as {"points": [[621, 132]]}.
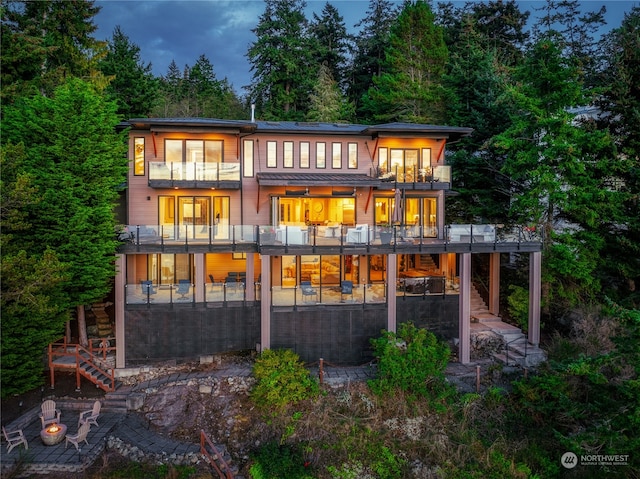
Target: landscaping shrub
{"points": [[281, 380], [412, 360], [274, 461]]}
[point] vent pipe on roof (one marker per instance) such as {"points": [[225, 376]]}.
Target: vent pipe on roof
{"points": [[253, 113]]}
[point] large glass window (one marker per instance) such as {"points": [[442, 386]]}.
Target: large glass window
{"points": [[248, 158], [383, 160], [169, 268], [321, 155], [404, 165], [272, 161], [321, 211], [193, 217], [138, 156]]}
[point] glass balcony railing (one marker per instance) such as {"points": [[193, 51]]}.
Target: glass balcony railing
{"points": [[206, 172], [410, 174], [148, 292], [317, 236]]}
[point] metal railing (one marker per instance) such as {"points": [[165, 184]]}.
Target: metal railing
{"points": [[344, 236]]}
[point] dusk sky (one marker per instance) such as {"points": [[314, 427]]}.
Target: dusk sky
{"points": [[178, 30]]}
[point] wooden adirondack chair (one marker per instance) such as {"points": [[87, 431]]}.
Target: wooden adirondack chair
{"points": [[90, 416], [14, 438], [76, 439], [49, 413]]}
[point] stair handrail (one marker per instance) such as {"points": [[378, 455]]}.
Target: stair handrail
{"points": [[204, 441], [103, 347], [90, 361], [506, 348]]}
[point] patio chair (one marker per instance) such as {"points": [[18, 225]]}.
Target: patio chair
{"points": [[49, 414], [90, 416], [308, 290], [213, 281], [81, 436], [183, 288], [147, 288], [346, 287], [14, 438]]}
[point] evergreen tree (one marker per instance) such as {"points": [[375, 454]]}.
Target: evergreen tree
{"points": [[132, 84], [620, 108], [33, 309], [332, 43], [61, 32], [557, 166], [477, 79], [370, 46], [410, 87], [327, 102], [574, 32], [280, 58], [78, 163]]}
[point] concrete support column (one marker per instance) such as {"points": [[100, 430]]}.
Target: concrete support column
{"points": [[120, 282], [535, 286], [464, 320], [392, 267], [199, 276], [494, 283], [250, 286], [265, 304]]}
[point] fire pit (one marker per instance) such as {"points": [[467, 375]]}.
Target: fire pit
{"points": [[53, 434]]}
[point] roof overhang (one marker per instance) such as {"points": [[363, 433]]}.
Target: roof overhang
{"points": [[316, 179]]}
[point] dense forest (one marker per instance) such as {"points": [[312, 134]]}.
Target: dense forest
{"points": [[555, 109]]}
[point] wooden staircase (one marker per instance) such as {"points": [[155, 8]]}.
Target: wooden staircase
{"points": [[90, 363], [517, 349]]}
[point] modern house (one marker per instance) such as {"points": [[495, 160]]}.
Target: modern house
{"points": [[310, 236]]}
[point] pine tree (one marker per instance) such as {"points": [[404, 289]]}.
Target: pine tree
{"points": [[410, 87], [557, 166], [332, 43], [280, 58], [370, 46], [78, 164], [620, 107], [327, 102], [132, 84]]}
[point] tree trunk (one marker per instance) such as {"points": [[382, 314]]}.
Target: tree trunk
{"points": [[82, 327]]}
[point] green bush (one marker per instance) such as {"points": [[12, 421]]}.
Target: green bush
{"points": [[281, 379], [273, 461], [412, 360]]}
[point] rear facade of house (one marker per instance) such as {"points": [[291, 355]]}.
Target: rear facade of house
{"points": [[249, 235]]}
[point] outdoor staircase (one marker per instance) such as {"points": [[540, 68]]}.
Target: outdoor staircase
{"points": [[517, 350], [89, 368], [103, 323]]}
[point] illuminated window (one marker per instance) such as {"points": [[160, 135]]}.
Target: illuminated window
{"points": [[271, 154], [138, 156], [288, 154], [321, 155], [336, 156], [353, 155], [248, 158], [304, 154]]}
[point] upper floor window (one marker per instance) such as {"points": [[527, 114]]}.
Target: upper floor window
{"points": [[272, 161], [321, 155], [138, 156], [336, 155], [353, 155], [247, 153], [404, 164], [304, 154], [193, 151], [288, 154]]}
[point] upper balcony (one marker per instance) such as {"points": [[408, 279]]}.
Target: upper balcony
{"points": [[339, 239], [430, 178], [194, 175]]}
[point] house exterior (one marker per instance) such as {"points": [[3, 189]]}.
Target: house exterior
{"points": [[310, 236]]}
